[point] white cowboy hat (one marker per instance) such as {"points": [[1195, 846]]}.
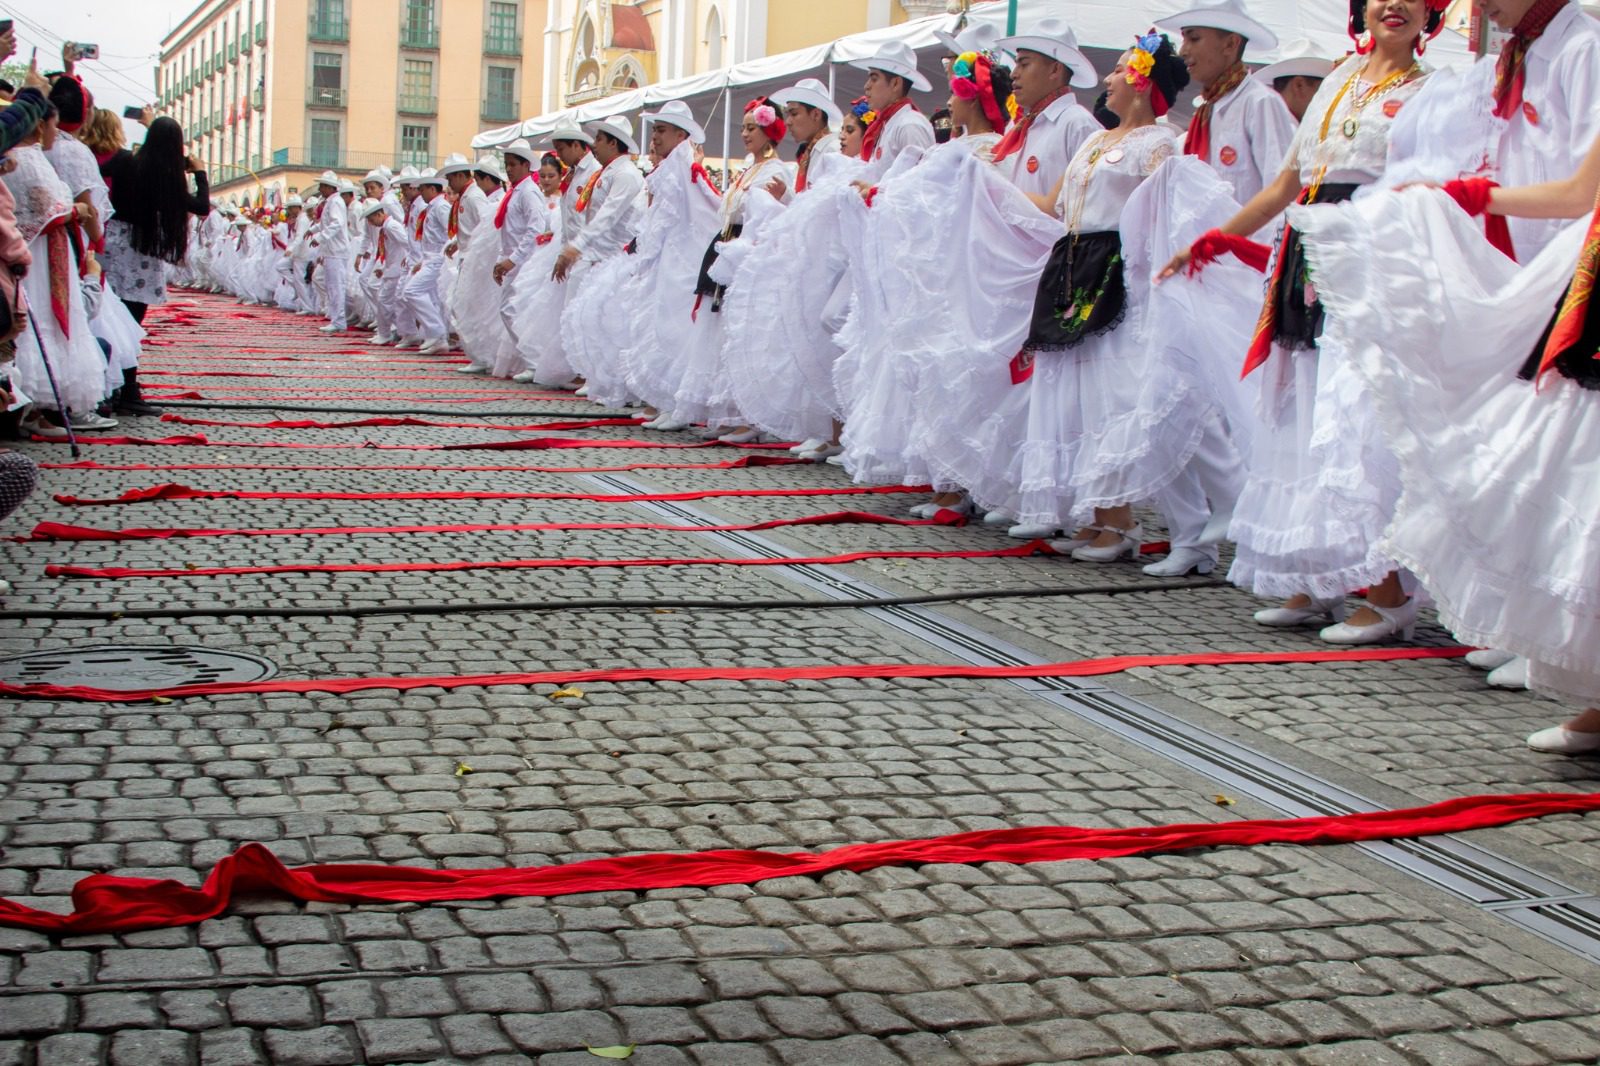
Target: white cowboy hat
{"points": [[1227, 15], [1298, 58], [488, 164], [379, 175], [294, 201], [328, 177], [571, 133], [522, 150], [431, 177], [974, 37], [1054, 38], [408, 175], [618, 127], [677, 113], [812, 93], [370, 208], [348, 186], [455, 163], [895, 57]]}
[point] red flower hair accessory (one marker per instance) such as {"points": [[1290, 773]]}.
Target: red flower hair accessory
{"points": [[766, 116]]}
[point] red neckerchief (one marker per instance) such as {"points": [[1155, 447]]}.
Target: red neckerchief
{"points": [[454, 226], [1510, 71], [422, 217], [566, 179], [383, 244], [1017, 135], [586, 193], [1197, 141], [869, 139], [505, 202], [803, 160]]}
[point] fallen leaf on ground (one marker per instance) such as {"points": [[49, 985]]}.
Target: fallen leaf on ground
{"points": [[568, 693], [616, 1051], [1223, 801], [462, 769]]}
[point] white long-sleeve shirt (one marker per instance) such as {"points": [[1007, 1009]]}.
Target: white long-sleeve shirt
{"points": [[435, 222], [1051, 141], [527, 216], [470, 211], [1251, 130], [906, 128], [392, 242], [333, 228], [610, 219], [571, 221]]}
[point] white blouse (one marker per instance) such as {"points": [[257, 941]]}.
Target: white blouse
{"points": [[1105, 172], [1356, 145]]}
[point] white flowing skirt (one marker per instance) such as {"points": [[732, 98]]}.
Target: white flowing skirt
{"points": [[76, 361], [1500, 514], [475, 301], [535, 307], [594, 327]]}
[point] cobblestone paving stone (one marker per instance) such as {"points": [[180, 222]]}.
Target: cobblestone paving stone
{"points": [[1263, 955]]}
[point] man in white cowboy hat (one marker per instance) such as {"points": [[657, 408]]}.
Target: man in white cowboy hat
{"points": [[286, 235], [813, 120], [892, 76], [575, 148], [608, 202], [333, 250], [468, 202], [1051, 125], [430, 232], [377, 187], [521, 217], [1240, 126], [975, 36], [1298, 74], [387, 268], [490, 177]]}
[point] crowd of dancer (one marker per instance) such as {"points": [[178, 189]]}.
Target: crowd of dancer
{"points": [[1057, 314]]}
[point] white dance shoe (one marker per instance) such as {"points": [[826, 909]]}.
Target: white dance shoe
{"points": [[826, 452], [472, 368], [998, 518], [434, 347], [1392, 622], [1559, 740], [1181, 562], [1317, 611], [1511, 674], [1490, 659], [1024, 532], [1127, 546]]}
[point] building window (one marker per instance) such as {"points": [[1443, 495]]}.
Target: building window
{"points": [[502, 19], [419, 30], [586, 60], [627, 74], [416, 145], [417, 78], [327, 80], [500, 94], [324, 142], [714, 40], [328, 21]]}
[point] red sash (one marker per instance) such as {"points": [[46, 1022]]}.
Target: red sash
{"points": [[58, 247], [1568, 328]]}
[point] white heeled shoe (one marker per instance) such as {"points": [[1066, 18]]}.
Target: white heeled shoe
{"points": [[807, 445], [1181, 562], [1490, 659], [1512, 674], [744, 436], [826, 452], [434, 347], [380, 339], [1392, 622], [1559, 740], [1128, 542], [1068, 545], [923, 510], [998, 518], [670, 425], [581, 390], [523, 377], [472, 368], [1023, 532], [1316, 611], [961, 508]]}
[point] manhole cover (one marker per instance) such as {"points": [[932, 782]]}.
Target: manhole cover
{"points": [[129, 668]]}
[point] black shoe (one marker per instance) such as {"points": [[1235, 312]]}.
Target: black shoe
{"points": [[130, 405]]}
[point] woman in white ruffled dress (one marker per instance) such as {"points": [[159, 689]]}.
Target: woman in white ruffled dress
{"points": [[879, 385], [57, 316], [1489, 402], [475, 301], [538, 302], [1322, 484], [1088, 416], [703, 392]]}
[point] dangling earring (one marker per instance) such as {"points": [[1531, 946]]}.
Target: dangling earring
{"points": [[1422, 43], [1364, 43]]}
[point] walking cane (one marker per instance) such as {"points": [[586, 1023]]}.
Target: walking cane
{"points": [[66, 416]]}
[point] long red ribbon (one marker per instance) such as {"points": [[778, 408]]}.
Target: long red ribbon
{"points": [[58, 531], [105, 903], [743, 462], [387, 421], [184, 492], [195, 440], [1037, 547], [1115, 664]]}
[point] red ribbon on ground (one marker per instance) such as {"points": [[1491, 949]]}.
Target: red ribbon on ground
{"points": [[184, 492], [1037, 547], [1115, 664], [386, 421], [744, 461], [528, 444], [105, 903], [58, 531]]}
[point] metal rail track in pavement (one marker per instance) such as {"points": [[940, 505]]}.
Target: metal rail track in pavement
{"points": [[1560, 913]]}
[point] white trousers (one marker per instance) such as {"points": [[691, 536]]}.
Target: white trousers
{"points": [[1198, 504], [422, 300], [335, 271]]}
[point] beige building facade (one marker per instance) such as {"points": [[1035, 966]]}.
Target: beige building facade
{"points": [[273, 92]]}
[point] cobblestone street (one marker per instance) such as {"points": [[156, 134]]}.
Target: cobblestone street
{"points": [[1478, 948]]}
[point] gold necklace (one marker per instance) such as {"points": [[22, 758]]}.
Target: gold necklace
{"points": [[1352, 122]]}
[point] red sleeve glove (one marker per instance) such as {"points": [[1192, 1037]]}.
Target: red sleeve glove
{"points": [[1473, 196], [1214, 244]]}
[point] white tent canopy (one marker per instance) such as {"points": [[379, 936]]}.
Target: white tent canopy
{"points": [[1104, 28]]}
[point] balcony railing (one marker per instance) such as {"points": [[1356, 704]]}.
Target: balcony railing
{"points": [[324, 96], [501, 43], [417, 35], [327, 158], [233, 52], [498, 110], [328, 29], [257, 99], [417, 104], [261, 33]]}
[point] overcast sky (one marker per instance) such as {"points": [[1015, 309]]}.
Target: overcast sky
{"points": [[128, 32]]}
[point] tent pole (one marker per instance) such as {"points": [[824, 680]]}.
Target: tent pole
{"points": [[727, 137], [1011, 18]]}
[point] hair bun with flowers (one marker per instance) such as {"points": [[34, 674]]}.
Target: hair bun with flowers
{"points": [[863, 111], [766, 116], [1154, 66], [976, 76]]}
